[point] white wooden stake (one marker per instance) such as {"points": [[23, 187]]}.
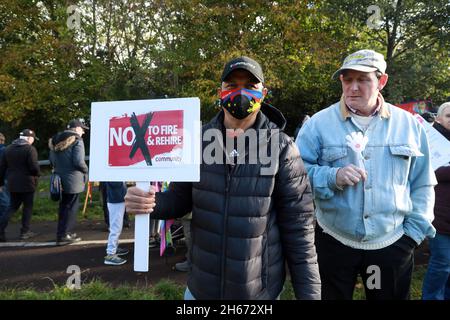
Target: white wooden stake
{"points": [[141, 235]]}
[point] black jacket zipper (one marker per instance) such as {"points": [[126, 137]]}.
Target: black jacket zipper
{"points": [[224, 238]]}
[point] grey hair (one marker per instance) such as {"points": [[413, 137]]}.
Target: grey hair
{"points": [[442, 108]]}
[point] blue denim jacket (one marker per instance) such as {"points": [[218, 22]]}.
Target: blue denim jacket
{"points": [[398, 195]]}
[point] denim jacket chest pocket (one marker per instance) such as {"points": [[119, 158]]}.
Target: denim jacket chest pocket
{"points": [[334, 156], [402, 156]]}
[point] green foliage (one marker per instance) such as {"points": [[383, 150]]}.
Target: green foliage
{"points": [[139, 49], [415, 38]]}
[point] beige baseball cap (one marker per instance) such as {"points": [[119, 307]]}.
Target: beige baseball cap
{"points": [[363, 60]]}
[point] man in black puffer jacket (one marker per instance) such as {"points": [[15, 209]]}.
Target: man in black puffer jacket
{"points": [[249, 216]]}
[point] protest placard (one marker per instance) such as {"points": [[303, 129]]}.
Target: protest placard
{"points": [[438, 144], [143, 141]]}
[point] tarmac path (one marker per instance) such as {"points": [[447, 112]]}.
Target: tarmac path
{"points": [[40, 264]]}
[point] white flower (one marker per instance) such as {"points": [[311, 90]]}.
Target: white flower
{"points": [[357, 142]]}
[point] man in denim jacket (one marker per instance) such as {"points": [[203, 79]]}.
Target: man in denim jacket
{"points": [[369, 165]]}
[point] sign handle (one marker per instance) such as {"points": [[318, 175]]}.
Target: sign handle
{"points": [[141, 235]]}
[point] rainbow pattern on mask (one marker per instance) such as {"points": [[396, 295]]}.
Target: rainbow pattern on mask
{"points": [[228, 96]]}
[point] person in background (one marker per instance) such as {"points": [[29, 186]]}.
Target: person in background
{"points": [[155, 238], [302, 122], [428, 116], [126, 220], [436, 285], [185, 266], [4, 193], [20, 162], [115, 193], [67, 157]]}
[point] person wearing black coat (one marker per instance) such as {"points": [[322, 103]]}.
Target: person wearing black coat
{"points": [[20, 160], [249, 218]]}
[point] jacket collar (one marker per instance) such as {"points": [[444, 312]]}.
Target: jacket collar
{"points": [[268, 118], [20, 142], [382, 110]]}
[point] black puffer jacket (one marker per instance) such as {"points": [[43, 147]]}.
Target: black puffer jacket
{"points": [[20, 163], [245, 225]]}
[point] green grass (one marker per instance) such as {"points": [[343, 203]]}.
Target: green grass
{"points": [[98, 290], [44, 209], [163, 290]]}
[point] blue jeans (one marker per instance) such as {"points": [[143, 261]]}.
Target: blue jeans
{"points": [[188, 295], [436, 285]]}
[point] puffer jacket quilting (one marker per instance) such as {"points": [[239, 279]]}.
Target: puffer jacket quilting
{"points": [[246, 225]]}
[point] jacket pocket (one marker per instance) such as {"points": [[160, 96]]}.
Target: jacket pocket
{"points": [[334, 156], [402, 157]]}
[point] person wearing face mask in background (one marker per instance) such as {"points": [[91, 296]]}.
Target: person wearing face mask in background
{"points": [[246, 221]]}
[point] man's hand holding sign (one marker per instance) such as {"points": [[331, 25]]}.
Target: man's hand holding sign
{"points": [[140, 201], [160, 141]]}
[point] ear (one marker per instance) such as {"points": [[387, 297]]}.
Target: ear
{"points": [[264, 92], [382, 81]]}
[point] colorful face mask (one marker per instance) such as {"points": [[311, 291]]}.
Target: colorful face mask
{"points": [[241, 102]]}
